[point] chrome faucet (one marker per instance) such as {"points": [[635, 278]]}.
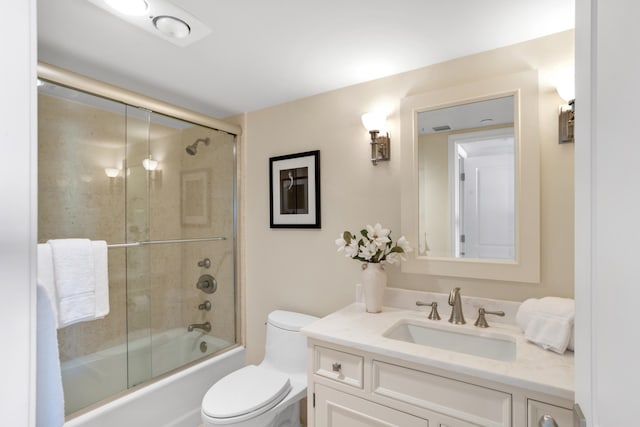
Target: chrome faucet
{"points": [[206, 326], [457, 316]]}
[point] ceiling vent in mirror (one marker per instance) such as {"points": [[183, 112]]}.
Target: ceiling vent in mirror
{"points": [[441, 128], [158, 17]]}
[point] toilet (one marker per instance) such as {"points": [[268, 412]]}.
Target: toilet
{"points": [[268, 394]]}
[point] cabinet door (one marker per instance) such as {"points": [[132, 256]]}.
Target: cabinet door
{"points": [[536, 410], [338, 409]]}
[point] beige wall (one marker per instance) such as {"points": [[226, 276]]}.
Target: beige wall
{"points": [[300, 269]]}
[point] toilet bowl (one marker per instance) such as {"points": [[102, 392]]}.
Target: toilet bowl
{"points": [[267, 394]]}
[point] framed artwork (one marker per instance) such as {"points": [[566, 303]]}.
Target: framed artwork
{"points": [[195, 200], [294, 196]]}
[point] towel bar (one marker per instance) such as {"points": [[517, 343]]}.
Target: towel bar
{"points": [[162, 242]]}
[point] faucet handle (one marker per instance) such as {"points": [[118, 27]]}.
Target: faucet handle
{"points": [[434, 309], [481, 322]]}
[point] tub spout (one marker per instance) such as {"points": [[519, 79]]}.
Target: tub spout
{"points": [[204, 326]]}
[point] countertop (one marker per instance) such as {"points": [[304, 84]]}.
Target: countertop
{"points": [[534, 368]]}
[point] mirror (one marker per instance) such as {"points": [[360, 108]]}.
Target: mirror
{"points": [[471, 191], [466, 163]]}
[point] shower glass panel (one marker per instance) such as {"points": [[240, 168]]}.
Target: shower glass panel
{"points": [[81, 138], [139, 369], [110, 171]]}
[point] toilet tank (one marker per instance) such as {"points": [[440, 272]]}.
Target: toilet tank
{"points": [[286, 347]]}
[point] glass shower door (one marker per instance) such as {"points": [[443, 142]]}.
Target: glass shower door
{"points": [[81, 193], [161, 192], [192, 212]]}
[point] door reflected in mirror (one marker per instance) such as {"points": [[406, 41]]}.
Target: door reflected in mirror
{"points": [[467, 171]]}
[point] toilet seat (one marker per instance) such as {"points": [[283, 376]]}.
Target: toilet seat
{"points": [[244, 394]]}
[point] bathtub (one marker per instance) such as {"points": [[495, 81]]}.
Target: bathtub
{"points": [[173, 401]]}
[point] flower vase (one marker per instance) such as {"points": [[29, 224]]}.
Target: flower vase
{"points": [[374, 281]]}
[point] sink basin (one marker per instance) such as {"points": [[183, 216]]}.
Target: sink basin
{"points": [[485, 344]]}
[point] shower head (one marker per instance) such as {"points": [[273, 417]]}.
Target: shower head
{"points": [[193, 148]]}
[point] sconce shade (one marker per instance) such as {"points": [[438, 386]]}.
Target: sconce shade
{"points": [[150, 164], [374, 121], [567, 91], [111, 172], [566, 84]]}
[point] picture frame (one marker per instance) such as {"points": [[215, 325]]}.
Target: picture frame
{"points": [[194, 197], [294, 190]]}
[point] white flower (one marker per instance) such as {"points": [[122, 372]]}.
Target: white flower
{"points": [[378, 235], [374, 245], [393, 258], [351, 250], [368, 250], [403, 244]]}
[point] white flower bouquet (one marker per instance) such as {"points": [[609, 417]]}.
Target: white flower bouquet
{"points": [[375, 246]]}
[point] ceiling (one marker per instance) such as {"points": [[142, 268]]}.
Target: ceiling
{"points": [[491, 112], [260, 53]]}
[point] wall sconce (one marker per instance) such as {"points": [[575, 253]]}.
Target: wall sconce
{"points": [[566, 119], [375, 123], [150, 164], [111, 172]]}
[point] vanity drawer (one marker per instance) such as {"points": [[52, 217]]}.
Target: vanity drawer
{"points": [[471, 403], [339, 366], [536, 410]]}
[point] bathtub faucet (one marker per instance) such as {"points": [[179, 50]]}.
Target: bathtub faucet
{"points": [[204, 326]]}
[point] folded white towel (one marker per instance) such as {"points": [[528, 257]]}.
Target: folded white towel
{"points": [[75, 280], [49, 394], [100, 263], [46, 277], [548, 322]]}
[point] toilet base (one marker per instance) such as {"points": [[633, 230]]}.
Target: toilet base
{"points": [[287, 417], [290, 417]]}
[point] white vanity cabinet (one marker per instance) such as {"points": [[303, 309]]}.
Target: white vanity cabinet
{"points": [[350, 388]]}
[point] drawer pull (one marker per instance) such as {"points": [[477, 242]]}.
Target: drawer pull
{"points": [[547, 421], [337, 367]]}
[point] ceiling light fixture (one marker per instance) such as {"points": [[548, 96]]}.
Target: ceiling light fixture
{"points": [[172, 26], [161, 18], [129, 7]]}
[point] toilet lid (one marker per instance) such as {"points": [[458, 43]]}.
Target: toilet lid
{"points": [[290, 320], [249, 391]]}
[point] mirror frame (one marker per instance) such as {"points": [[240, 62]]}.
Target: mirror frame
{"points": [[526, 265]]}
